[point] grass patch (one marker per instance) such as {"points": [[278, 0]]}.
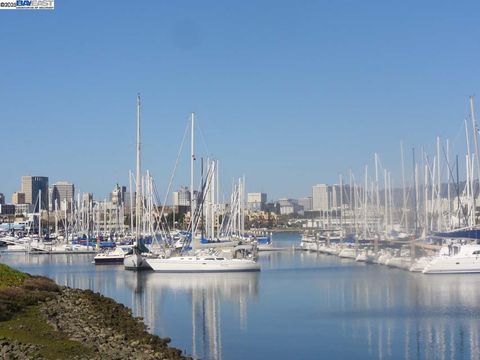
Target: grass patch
{"points": [[31, 328], [11, 277], [20, 290]]}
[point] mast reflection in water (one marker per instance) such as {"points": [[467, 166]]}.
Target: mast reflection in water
{"points": [[301, 305]]}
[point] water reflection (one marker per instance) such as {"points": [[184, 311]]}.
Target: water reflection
{"points": [[300, 304], [206, 293]]}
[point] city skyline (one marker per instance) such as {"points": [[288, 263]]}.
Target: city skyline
{"points": [[306, 102]]}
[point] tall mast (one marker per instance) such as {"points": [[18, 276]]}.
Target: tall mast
{"points": [[439, 189], [449, 223], [415, 199], [475, 139], [138, 198], [192, 164], [469, 174], [40, 214], [377, 195], [405, 217]]}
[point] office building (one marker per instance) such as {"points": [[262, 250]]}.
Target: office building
{"points": [[305, 203], [181, 197], [288, 206], [2, 199], [23, 209], [18, 198], [118, 195], [7, 209], [256, 201], [321, 194], [62, 195], [31, 187]]}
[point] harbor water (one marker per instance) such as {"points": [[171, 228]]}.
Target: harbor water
{"points": [[300, 306]]}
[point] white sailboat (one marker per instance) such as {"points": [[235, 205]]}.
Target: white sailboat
{"points": [[204, 260], [135, 260], [202, 263]]}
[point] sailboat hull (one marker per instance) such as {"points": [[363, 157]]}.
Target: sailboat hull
{"points": [[192, 264], [135, 262]]}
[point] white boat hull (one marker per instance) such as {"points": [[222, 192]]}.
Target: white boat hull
{"points": [[192, 264], [135, 262], [453, 265]]}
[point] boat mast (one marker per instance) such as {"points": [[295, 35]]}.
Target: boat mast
{"points": [[469, 175], [192, 164], [475, 139], [412, 241], [138, 199], [405, 217], [40, 215]]}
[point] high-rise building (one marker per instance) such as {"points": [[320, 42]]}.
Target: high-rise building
{"points": [[181, 197], [305, 203], [117, 196], [321, 195], [256, 201], [31, 186], [2, 199], [18, 198], [63, 194]]}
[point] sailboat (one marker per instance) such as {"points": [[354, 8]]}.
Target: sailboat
{"points": [[203, 260], [135, 260]]}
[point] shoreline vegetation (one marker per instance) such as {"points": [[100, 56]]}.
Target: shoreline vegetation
{"points": [[42, 320]]}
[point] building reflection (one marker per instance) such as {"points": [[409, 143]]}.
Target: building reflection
{"points": [[379, 313], [207, 294], [408, 317]]}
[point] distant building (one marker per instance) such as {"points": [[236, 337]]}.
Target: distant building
{"points": [[117, 196], [7, 209], [87, 198], [181, 197], [2, 199], [288, 206], [18, 198], [23, 209], [256, 201], [62, 195], [321, 197], [328, 197], [305, 203], [31, 187]]}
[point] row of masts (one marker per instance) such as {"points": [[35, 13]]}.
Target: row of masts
{"points": [[434, 200]]}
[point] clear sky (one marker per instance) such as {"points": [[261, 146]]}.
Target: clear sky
{"points": [[289, 93]]}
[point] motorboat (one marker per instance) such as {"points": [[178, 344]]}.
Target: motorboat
{"points": [[455, 259], [113, 256]]}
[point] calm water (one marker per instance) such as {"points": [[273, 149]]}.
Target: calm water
{"points": [[300, 306]]}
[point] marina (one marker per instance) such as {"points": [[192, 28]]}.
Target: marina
{"points": [[301, 305], [239, 180]]}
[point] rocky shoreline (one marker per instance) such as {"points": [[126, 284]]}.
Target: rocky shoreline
{"points": [[106, 327], [41, 320]]}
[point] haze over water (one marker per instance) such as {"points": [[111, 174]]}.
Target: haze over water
{"points": [[301, 305]]}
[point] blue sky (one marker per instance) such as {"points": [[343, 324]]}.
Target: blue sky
{"points": [[289, 93]]}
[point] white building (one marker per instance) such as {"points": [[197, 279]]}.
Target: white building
{"points": [[181, 197], [321, 194], [305, 203], [256, 201]]}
